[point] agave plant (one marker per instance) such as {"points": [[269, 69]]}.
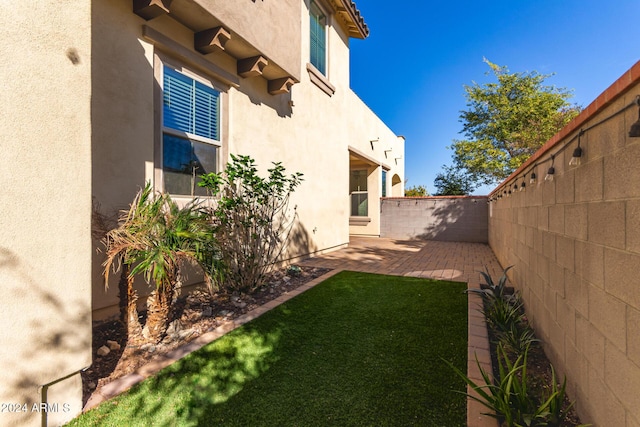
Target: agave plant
{"points": [[492, 290], [510, 399], [154, 238]]}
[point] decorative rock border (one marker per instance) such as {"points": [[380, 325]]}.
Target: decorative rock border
{"points": [[122, 384]]}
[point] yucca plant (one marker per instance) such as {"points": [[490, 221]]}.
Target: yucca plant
{"points": [[510, 399], [502, 313], [154, 238], [517, 337]]}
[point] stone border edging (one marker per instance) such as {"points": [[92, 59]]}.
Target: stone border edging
{"points": [[478, 349], [122, 384]]}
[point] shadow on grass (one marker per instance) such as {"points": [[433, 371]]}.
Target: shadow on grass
{"points": [[360, 349]]}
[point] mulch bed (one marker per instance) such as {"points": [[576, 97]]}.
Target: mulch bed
{"points": [[199, 312], [539, 373]]}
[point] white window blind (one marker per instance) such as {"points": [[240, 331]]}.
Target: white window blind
{"points": [[190, 106]]}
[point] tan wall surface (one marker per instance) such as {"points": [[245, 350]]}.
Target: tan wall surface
{"points": [[453, 219], [45, 246], [307, 130], [272, 27], [575, 246]]}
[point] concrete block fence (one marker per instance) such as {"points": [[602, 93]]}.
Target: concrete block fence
{"points": [[452, 219], [575, 246]]}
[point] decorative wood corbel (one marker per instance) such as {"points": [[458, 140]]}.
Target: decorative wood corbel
{"points": [[251, 67], [209, 40], [149, 9], [282, 85]]}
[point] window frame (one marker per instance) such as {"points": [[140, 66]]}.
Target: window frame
{"points": [[160, 63], [359, 192], [325, 42], [316, 76], [384, 183]]}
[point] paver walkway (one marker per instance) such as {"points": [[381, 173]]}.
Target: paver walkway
{"points": [[453, 261]]}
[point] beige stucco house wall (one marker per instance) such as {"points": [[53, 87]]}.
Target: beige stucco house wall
{"points": [[45, 209], [83, 125], [283, 111]]}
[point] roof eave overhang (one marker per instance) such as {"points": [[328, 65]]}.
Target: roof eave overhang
{"points": [[352, 18]]}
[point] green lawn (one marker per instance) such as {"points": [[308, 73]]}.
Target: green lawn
{"points": [[357, 350]]}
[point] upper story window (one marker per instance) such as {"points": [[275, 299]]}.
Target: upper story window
{"points": [[190, 132], [318, 36]]}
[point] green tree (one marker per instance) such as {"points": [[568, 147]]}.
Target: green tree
{"points": [[416, 191], [453, 181], [507, 121]]}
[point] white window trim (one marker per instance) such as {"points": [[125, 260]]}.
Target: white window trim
{"points": [[351, 193]]}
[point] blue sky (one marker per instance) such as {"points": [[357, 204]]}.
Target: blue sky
{"points": [[412, 68]]}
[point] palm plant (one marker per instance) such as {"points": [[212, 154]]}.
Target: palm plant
{"points": [[154, 238]]}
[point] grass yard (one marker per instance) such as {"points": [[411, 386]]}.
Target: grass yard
{"points": [[356, 350]]}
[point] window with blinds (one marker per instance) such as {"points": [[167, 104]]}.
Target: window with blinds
{"points": [[318, 38], [190, 106], [191, 132]]}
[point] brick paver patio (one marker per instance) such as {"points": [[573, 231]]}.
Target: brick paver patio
{"points": [[455, 261]]}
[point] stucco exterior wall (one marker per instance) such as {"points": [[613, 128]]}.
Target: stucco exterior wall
{"points": [[308, 130], [45, 213], [575, 247], [274, 28], [453, 219]]}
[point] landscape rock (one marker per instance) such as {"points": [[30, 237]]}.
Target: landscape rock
{"points": [[113, 345], [103, 351], [174, 327], [149, 348], [186, 333]]}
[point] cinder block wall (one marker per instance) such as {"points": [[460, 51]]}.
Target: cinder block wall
{"points": [[457, 219], [575, 245]]}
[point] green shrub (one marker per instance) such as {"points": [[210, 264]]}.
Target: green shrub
{"points": [[251, 220], [294, 270], [510, 399], [517, 337]]}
